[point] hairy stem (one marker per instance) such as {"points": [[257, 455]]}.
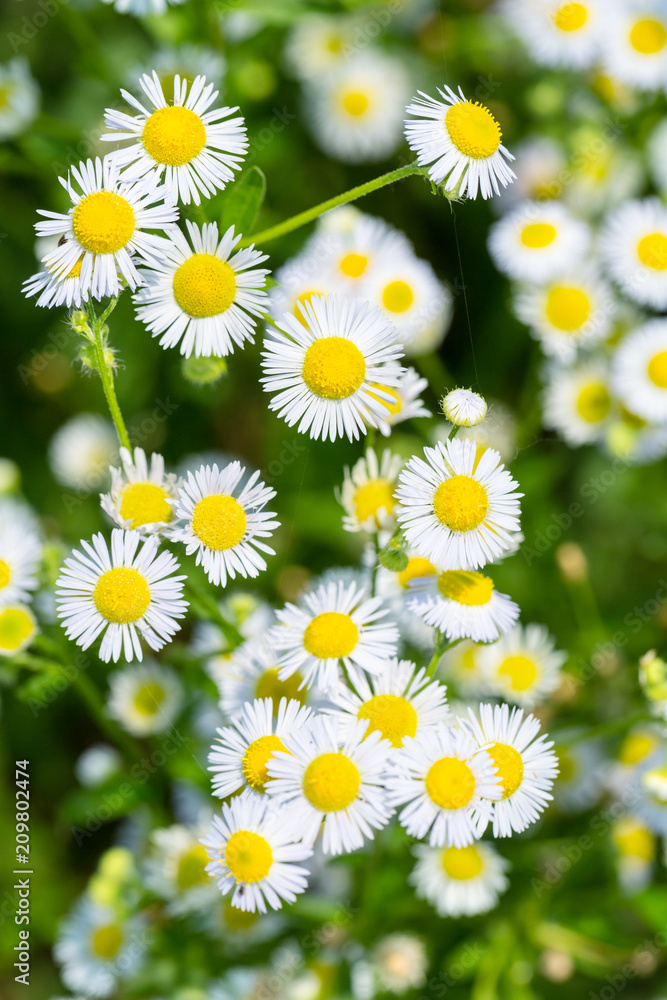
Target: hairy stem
{"points": [[98, 340]]}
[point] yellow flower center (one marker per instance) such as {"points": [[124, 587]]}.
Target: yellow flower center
{"points": [[571, 17], [75, 272], [256, 758], [473, 129], [334, 44], [593, 403], [567, 308], [144, 503], [330, 636], [390, 715], [103, 222], [509, 766], [121, 595], [248, 856], [235, 919], [467, 661], [417, 567], [461, 503], [269, 685], [652, 251], [191, 869], [634, 840], [148, 698], [450, 783], [462, 862], [334, 367], [397, 296], [356, 103], [174, 136], [635, 747], [204, 285], [567, 768], [219, 521], [15, 627], [371, 498], [520, 671], [397, 404], [331, 782], [648, 36], [5, 574], [106, 941], [303, 298], [465, 587], [353, 265], [538, 235], [657, 370]]}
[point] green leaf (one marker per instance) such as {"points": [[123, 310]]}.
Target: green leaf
{"points": [[242, 202]]}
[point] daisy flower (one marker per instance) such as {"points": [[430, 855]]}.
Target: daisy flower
{"points": [[58, 290], [397, 964], [196, 150], [323, 367], [400, 702], [537, 241], [140, 494], [406, 403], [459, 881], [407, 292], [460, 141], [557, 32], [176, 870], [462, 605], [524, 762], [146, 699], [639, 371], [201, 296], [464, 408], [634, 246], [106, 228], [574, 310], [224, 529], [649, 787], [252, 853], [20, 554], [18, 628], [636, 849], [81, 451], [352, 246], [635, 440], [356, 109], [577, 402], [368, 492], [461, 666], [317, 44], [251, 673], [457, 508], [540, 162], [96, 948], [448, 783], [634, 44], [303, 278], [522, 666], [122, 595], [239, 758], [335, 624], [20, 94], [331, 778]]}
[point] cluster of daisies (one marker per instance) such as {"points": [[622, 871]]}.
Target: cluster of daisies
{"points": [[21, 548]]}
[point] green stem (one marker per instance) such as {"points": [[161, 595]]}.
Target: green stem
{"points": [[376, 564], [303, 218], [98, 340]]}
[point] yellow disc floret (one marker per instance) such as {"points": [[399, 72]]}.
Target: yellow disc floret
{"points": [[571, 17], [465, 587], [248, 856], [145, 503], [652, 251], [356, 103], [594, 402], [174, 136], [461, 503], [103, 222], [334, 367], [397, 296], [330, 636], [538, 235], [269, 685], [567, 309], [5, 574], [417, 567], [462, 862], [353, 265], [473, 129], [636, 746], [395, 405], [204, 285], [509, 767], [121, 595], [657, 370], [219, 521], [520, 671], [191, 869], [371, 498], [634, 840], [331, 782], [450, 783], [256, 758], [149, 698], [390, 715], [105, 941], [16, 626], [648, 36]]}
